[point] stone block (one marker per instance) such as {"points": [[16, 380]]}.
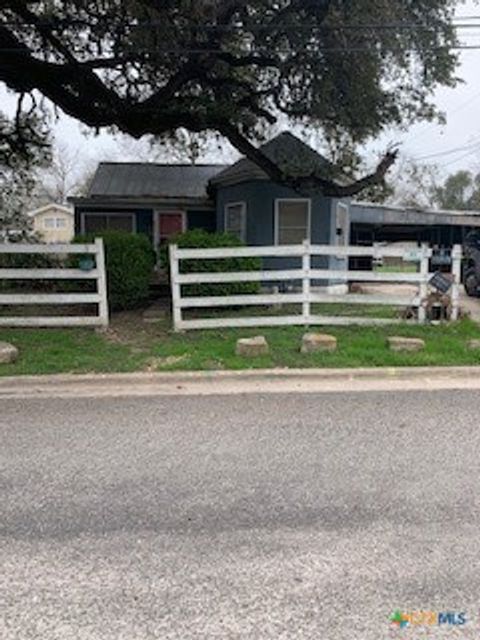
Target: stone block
{"points": [[8, 353], [399, 344], [252, 347], [315, 342]]}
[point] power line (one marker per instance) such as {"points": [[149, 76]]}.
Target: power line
{"points": [[426, 128], [471, 145], [252, 27], [343, 50], [467, 155]]}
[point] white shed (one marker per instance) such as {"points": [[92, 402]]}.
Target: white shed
{"points": [[53, 223]]}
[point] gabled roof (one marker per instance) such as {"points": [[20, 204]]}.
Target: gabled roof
{"points": [[47, 207], [148, 180], [291, 154]]}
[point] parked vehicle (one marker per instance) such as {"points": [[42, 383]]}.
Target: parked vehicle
{"points": [[471, 267]]}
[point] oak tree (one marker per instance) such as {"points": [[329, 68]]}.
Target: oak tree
{"points": [[24, 147], [349, 68]]}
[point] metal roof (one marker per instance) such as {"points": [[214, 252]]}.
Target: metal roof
{"points": [[380, 214], [148, 180], [293, 156]]}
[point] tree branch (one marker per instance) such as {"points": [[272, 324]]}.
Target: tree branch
{"points": [[80, 91], [309, 183]]}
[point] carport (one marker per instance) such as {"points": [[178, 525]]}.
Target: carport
{"points": [[371, 223]]}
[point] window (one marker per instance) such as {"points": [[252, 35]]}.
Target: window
{"points": [[54, 223], [93, 222], [292, 221], [236, 220]]}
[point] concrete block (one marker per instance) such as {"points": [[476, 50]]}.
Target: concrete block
{"points": [[252, 347], [315, 342], [399, 344], [474, 345]]}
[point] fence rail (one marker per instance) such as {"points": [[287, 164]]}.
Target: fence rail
{"points": [[307, 295], [97, 273]]}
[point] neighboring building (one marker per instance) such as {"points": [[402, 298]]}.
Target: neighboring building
{"points": [[162, 200], [53, 223]]}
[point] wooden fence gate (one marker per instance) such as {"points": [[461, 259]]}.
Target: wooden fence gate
{"points": [[305, 294]]}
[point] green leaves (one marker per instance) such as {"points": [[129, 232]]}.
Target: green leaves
{"points": [[351, 69]]}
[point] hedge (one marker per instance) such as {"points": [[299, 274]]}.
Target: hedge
{"points": [[129, 260], [200, 239]]}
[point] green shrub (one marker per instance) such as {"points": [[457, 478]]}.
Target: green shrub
{"points": [[129, 260], [199, 239]]}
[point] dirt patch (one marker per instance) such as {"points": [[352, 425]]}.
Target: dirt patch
{"points": [[154, 363], [128, 328]]}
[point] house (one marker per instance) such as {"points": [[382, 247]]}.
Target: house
{"points": [[161, 200], [53, 223]]}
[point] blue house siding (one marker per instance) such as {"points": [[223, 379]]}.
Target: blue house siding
{"points": [[260, 200], [202, 220]]}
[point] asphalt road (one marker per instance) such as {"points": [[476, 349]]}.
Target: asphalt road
{"points": [[253, 517]]}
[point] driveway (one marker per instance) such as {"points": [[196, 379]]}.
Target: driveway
{"points": [[470, 305], [238, 517], [467, 304]]}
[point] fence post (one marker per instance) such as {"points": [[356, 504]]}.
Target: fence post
{"points": [[306, 284], [457, 278], [423, 289], [176, 293], [101, 282]]}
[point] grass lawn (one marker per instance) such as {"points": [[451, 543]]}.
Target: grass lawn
{"points": [[406, 267], [130, 345], [45, 351]]}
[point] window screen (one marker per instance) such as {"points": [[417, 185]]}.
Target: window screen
{"points": [[293, 224]]}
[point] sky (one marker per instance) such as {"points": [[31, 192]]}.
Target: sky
{"points": [[421, 142], [461, 106]]}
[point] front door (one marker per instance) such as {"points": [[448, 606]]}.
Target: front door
{"points": [[169, 224]]}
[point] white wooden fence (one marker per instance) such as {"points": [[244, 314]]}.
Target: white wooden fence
{"points": [[308, 294], [96, 273]]}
